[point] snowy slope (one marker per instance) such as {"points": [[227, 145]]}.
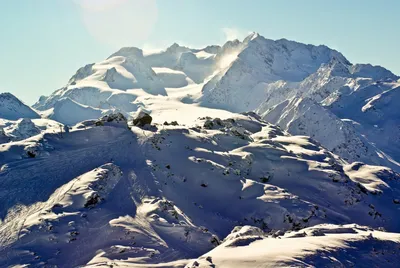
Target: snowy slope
{"points": [[109, 194], [19, 121], [307, 69], [338, 103], [12, 108], [267, 73], [70, 112], [205, 186], [256, 74], [25, 128], [130, 76], [305, 117], [318, 246], [375, 110], [263, 61]]}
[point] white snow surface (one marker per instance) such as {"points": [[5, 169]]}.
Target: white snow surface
{"points": [[12, 108], [319, 246], [105, 193], [24, 128], [260, 153], [356, 101]]}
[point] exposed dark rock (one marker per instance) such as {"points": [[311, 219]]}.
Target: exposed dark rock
{"points": [[142, 119], [92, 200]]}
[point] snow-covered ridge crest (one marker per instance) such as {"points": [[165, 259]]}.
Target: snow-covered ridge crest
{"points": [[319, 246], [114, 194], [263, 61], [256, 74], [12, 108], [143, 159]]}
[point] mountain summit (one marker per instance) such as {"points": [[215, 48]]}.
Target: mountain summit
{"points": [[255, 153], [12, 108], [256, 74]]}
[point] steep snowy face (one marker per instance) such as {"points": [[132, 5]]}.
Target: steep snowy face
{"points": [[117, 82], [266, 72], [370, 108], [306, 117], [81, 74], [264, 61], [341, 98], [380, 106], [12, 108], [70, 112], [354, 117], [380, 119], [354, 101], [373, 72]]}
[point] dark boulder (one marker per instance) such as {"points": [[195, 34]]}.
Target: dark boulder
{"points": [[142, 119]]}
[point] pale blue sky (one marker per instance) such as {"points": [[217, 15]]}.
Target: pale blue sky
{"points": [[43, 42]]}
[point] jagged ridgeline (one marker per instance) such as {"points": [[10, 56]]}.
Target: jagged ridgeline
{"points": [[254, 153], [350, 109]]}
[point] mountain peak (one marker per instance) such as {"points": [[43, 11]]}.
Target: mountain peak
{"points": [[374, 72], [175, 47], [128, 52], [251, 36], [8, 96], [204, 172], [12, 108]]}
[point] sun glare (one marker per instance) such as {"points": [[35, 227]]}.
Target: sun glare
{"points": [[119, 22]]}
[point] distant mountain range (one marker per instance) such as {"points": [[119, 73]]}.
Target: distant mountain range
{"points": [[259, 153], [305, 89]]}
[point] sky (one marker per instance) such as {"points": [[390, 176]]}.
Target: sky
{"points": [[44, 42]]}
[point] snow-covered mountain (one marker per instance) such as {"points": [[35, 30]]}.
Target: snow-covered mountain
{"points": [[105, 193], [12, 108], [255, 74], [260, 62], [338, 104], [254, 153], [274, 77]]}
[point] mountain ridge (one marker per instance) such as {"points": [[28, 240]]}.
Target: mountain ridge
{"points": [[12, 108], [256, 152], [255, 74]]}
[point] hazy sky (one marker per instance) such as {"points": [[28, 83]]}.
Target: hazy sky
{"points": [[43, 42]]}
